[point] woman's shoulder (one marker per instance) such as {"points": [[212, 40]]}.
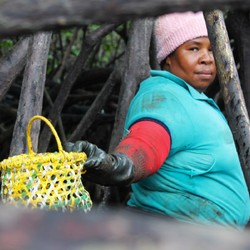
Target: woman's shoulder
{"points": [[154, 81], [163, 83]]}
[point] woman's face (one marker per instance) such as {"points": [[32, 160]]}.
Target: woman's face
{"points": [[193, 61]]}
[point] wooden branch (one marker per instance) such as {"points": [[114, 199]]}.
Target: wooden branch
{"points": [[31, 97], [12, 64], [7, 110], [97, 105], [66, 55], [230, 85], [136, 69], [26, 16], [60, 123], [88, 44]]}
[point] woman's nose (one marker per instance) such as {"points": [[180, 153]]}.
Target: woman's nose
{"points": [[207, 56]]}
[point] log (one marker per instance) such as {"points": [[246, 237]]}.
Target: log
{"points": [[235, 106], [136, 70], [31, 98], [12, 64], [29, 16]]}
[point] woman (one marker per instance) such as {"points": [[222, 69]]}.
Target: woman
{"points": [[178, 151]]}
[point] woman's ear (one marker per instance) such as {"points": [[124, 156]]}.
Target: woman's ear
{"points": [[167, 63], [168, 60]]}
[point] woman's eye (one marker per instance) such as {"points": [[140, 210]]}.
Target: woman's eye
{"points": [[194, 49]]}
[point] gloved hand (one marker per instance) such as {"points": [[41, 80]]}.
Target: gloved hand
{"points": [[102, 168]]}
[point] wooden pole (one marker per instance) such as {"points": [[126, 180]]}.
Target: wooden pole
{"points": [[236, 111], [12, 64], [31, 98], [29, 16], [136, 70]]}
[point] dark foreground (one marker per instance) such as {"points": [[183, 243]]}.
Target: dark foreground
{"points": [[22, 229]]}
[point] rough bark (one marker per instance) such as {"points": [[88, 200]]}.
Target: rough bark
{"points": [[31, 98], [25, 16], [87, 45], [12, 63], [230, 86]]}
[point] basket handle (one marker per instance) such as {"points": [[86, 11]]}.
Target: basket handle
{"points": [[29, 143]]}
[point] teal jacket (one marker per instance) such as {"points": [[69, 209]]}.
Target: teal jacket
{"points": [[201, 180]]}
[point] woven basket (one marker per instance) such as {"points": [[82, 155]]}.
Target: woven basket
{"points": [[50, 181]]}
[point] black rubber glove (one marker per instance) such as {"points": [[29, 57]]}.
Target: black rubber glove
{"points": [[102, 168]]}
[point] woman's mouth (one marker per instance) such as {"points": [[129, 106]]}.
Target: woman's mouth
{"points": [[205, 75]]}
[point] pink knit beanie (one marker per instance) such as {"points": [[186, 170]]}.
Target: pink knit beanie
{"points": [[172, 30]]}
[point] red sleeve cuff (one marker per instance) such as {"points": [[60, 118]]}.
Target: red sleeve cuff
{"points": [[147, 145]]}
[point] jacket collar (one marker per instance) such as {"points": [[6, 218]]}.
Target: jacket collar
{"points": [[193, 92]]}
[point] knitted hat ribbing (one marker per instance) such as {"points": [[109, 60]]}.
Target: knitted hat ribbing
{"points": [[172, 30]]}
